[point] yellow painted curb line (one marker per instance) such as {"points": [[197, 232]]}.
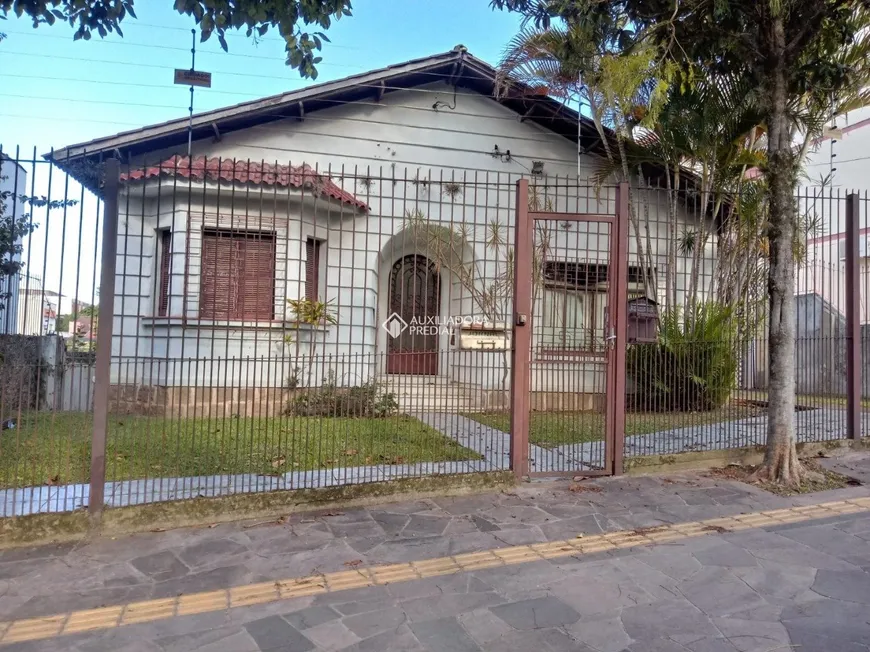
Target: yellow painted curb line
{"points": [[75, 622]]}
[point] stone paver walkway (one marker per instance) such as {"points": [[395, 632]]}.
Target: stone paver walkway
{"points": [[804, 584]]}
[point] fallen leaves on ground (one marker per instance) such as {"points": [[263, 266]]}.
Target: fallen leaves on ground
{"points": [[829, 479], [354, 563], [642, 531], [281, 520]]}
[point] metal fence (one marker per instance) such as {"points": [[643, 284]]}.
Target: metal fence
{"points": [[211, 326], [703, 384]]}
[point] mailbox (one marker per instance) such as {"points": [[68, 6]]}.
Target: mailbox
{"points": [[484, 337], [643, 320]]}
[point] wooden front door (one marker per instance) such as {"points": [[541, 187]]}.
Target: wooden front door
{"points": [[414, 297]]}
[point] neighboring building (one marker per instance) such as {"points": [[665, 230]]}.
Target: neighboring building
{"points": [[841, 157], [13, 180], [824, 272], [31, 306], [838, 161], [37, 307], [210, 250]]}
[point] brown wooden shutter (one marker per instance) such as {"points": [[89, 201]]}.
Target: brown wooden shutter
{"points": [[238, 276], [218, 291], [312, 269], [257, 286], [165, 260]]}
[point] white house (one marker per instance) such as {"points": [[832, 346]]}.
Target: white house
{"points": [[387, 192]]}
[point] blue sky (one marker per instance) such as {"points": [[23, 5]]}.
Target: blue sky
{"points": [[58, 92]]}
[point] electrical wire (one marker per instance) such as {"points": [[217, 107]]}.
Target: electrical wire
{"points": [[843, 160], [550, 137], [186, 30], [375, 86], [255, 97], [152, 46]]}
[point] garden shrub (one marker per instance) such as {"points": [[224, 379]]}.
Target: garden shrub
{"points": [[692, 367], [329, 400]]}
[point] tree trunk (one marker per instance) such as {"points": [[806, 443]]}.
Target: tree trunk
{"points": [[780, 461]]}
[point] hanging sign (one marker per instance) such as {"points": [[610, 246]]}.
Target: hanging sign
{"points": [[193, 78]]}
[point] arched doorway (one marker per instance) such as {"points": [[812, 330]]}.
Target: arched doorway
{"points": [[414, 297]]}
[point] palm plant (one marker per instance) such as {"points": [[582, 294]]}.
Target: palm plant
{"points": [[693, 365], [312, 314], [576, 64]]}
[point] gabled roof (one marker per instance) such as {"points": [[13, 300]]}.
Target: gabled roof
{"points": [[455, 67]]}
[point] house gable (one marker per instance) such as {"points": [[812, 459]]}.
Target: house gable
{"points": [[457, 69], [403, 137]]}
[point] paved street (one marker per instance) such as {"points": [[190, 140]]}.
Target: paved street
{"points": [[800, 585]]}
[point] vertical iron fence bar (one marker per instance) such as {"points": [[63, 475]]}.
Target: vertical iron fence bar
{"points": [[522, 332], [621, 227], [853, 320], [104, 342]]}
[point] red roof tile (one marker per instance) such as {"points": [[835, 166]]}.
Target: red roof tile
{"points": [[220, 169]]}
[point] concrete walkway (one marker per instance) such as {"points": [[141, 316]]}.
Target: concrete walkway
{"points": [[801, 582]]}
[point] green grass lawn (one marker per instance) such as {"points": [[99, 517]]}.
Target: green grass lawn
{"points": [[54, 448], [551, 429]]}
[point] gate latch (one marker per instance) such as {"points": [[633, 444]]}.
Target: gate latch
{"points": [[521, 319], [611, 339]]}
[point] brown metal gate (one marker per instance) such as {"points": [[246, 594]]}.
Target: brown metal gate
{"points": [[569, 336]]}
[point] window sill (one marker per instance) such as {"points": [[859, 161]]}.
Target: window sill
{"points": [[229, 324]]}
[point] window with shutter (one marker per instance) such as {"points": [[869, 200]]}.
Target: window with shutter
{"points": [[238, 275], [312, 269], [165, 269]]}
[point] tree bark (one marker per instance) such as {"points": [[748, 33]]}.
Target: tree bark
{"points": [[780, 461]]}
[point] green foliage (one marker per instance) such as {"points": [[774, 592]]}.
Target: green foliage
{"points": [[693, 365], [254, 17], [89, 311], [311, 312], [329, 400]]}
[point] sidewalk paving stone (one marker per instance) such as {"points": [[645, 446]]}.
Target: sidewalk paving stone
{"points": [[755, 590]]}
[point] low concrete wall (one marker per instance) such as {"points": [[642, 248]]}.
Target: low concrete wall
{"points": [[202, 402]]}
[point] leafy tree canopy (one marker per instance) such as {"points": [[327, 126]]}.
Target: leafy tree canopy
{"points": [[291, 18]]}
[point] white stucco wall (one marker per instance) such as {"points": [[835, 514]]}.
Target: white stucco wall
{"points": [[391, 143]]}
